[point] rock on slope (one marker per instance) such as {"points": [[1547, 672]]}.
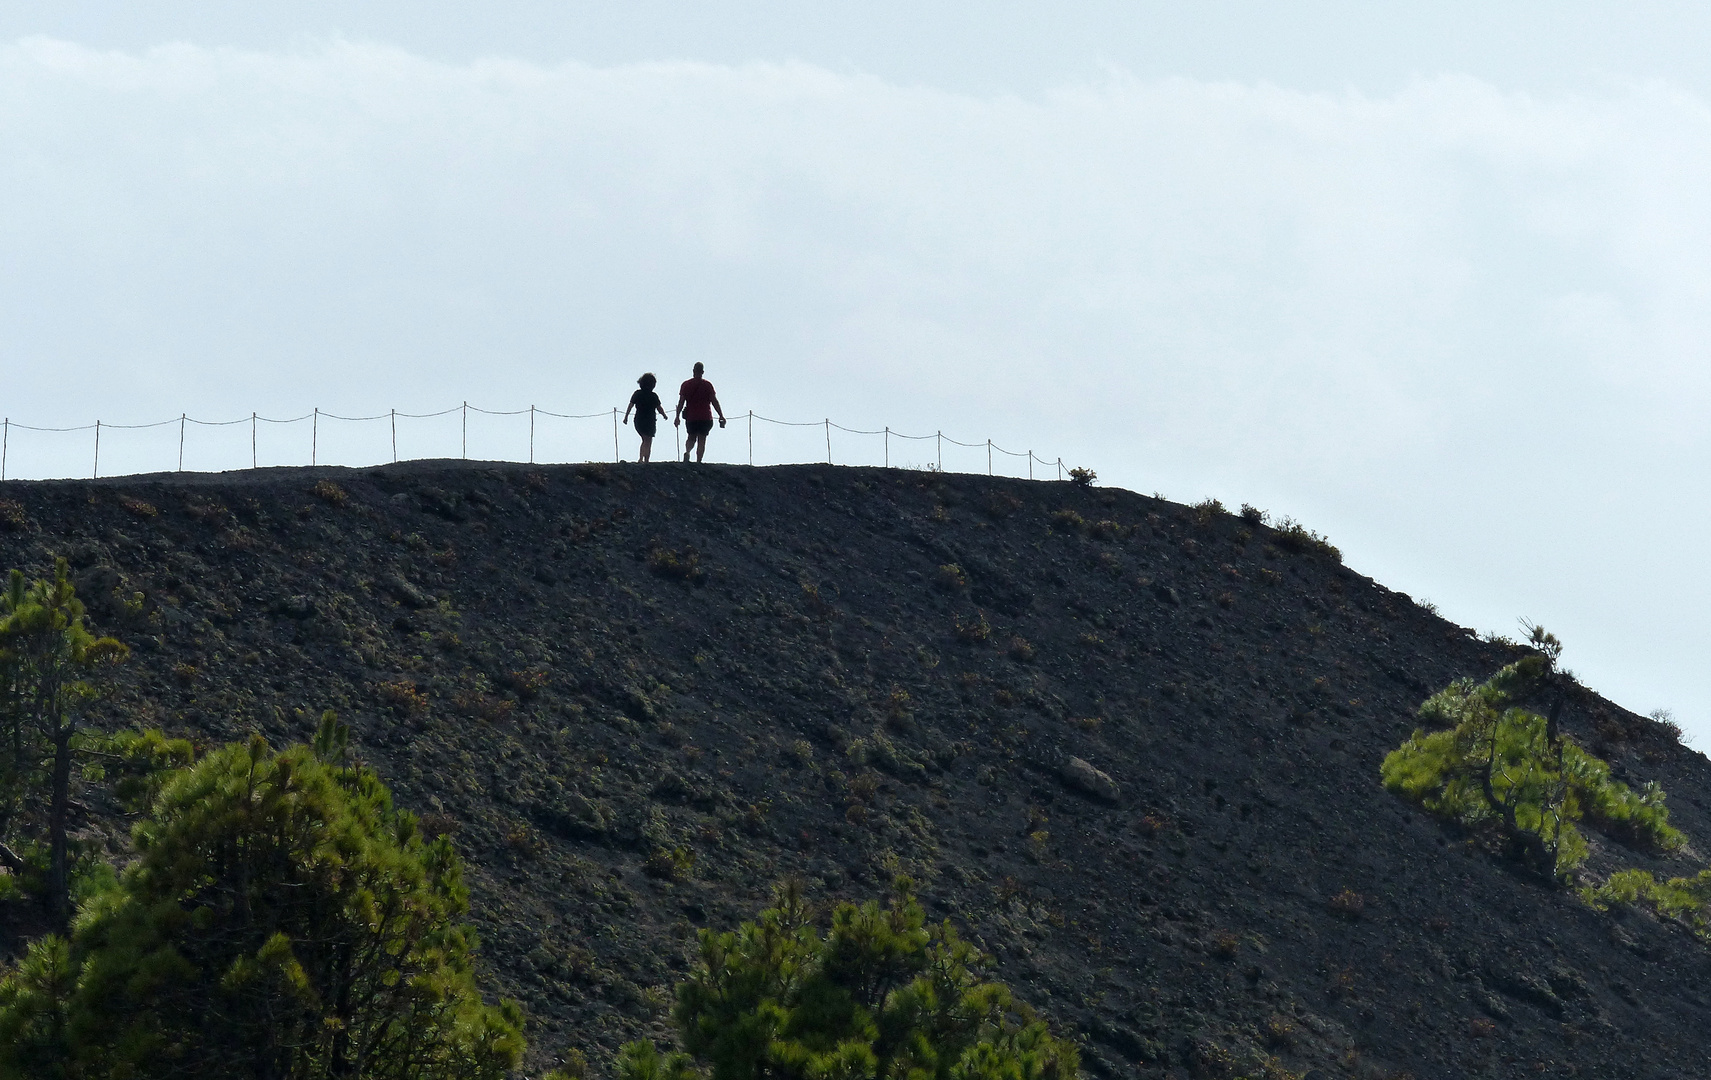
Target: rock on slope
{"points": [[1130, 747]]}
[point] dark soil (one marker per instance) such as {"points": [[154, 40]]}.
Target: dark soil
{"points": [[639, 696]]}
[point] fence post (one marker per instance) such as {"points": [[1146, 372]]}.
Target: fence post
{"points": [[1060, 468], [315, 438], [1030, 464], [751, 438], [531, 434], [394, 436], [988, 457], [941, 451], [97, 471], [253, 458], [181, 417], [466, 431], [5, 444], [888, 446], [615, 454], [828, 440]]}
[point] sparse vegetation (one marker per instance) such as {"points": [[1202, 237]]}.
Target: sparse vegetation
{"points": [[1081, 477]]}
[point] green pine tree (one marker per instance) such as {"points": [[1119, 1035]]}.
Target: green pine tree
{"points": [[879, 995], [1507, 773], [282, 920], [46, 654]]}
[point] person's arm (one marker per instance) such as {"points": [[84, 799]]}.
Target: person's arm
{"points": [[719, 409], [660, 405], [627, 409], [677, 420]]}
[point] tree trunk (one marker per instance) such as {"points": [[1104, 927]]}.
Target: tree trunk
{"points": [[59, 875]]}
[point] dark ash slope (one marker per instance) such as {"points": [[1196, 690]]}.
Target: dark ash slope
{"points": [[639, 696]]}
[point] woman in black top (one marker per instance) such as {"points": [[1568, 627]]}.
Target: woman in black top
{"points": [[645, 403]]}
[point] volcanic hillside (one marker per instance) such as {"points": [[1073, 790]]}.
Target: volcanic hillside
{"points": [[637, 697]]}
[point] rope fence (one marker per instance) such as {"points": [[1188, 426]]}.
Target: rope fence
{"points": [[582, 440]]}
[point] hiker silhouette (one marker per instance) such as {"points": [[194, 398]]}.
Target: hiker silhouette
{"points": [[645, 402], [696, 403]]}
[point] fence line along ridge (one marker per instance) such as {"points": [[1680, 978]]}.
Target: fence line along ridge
{"points": [[392, 416]]}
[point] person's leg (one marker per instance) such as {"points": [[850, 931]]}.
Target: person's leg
{"points": [[647, 447]]}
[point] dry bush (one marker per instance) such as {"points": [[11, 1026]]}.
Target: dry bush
{"points": [[684, 565], [951, 578], [138, 508], [973, 631], [528, 683], [1206, 511], [1068, 521], [330, 493], [1347, 904], [483, 706], [402, 697], [204, 510]]}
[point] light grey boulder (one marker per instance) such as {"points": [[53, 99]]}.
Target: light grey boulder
{"points": [[1083, 777]]}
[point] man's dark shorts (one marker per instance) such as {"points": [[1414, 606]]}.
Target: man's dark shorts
{"points": [[698, 427]]}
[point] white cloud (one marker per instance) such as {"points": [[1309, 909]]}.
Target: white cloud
{"points": [[1464, 329]]}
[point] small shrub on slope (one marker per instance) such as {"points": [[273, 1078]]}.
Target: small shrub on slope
{"points": [[879, 994], [1504, 771], [1686, 900]]}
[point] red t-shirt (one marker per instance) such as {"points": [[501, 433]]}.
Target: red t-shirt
{"points": [[697, 395]]}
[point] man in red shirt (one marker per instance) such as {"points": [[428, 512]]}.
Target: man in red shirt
{"points": [[696, 402]]}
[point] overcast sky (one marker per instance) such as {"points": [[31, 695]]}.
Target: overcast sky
{"points": [[1433, 279]]}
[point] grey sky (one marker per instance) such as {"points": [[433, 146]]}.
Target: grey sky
{"points": [[1434, 281]]}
